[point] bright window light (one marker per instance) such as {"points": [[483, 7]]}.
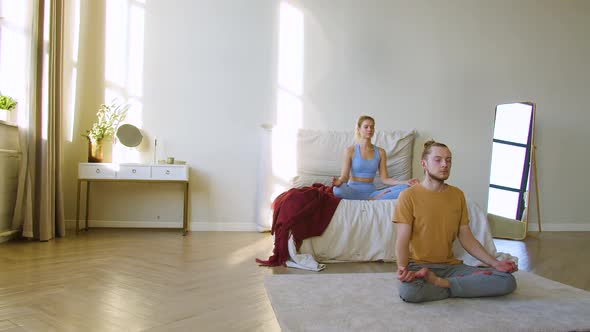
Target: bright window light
{"points": [[76, 26], [124, 58], [290, 110], [283, 153], [291, 49], [135, 113], [72, 104], [14, 46], [121, 153], [276, 191], [290, 80], [13, 12], [45, 84], [135, 57], [507, 165], [117, 24], [512, 122], [71, 117], [284, 149], [12, 59], [502, 203]]}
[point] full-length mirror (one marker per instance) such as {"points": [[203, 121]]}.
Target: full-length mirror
{"points": [[513, 163]]}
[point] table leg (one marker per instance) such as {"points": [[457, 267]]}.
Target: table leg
{"points": [[78, 208], [87, 202], [185, 213]]}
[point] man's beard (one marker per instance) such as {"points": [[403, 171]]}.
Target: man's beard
{"points": [[438, 178]]}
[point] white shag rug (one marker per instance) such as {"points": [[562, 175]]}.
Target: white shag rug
{"points": [[370, 302]]}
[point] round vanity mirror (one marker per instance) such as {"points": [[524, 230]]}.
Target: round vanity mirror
{"points": [[129, 135]]}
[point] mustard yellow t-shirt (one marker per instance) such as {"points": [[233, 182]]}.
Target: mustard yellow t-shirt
{"points": [[435, 218]]}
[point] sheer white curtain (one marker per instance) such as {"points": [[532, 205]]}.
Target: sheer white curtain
{"points": [[24, 201]]}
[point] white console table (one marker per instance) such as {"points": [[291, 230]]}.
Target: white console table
{"points": [[105, 172]]}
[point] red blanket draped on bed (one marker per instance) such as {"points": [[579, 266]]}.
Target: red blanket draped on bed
{"points": [[303, 212]]}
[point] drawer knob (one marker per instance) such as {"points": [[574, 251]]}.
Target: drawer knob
{"points": [[97, 170], [167, 172], [134, 171]]}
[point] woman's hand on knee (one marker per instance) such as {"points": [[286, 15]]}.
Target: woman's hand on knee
{"points": [[336, 181]]}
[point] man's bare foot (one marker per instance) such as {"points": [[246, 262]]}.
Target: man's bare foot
{"points": [[421, 273], [432, 278]]}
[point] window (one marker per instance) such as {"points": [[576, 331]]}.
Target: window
{"points": [[14, 42]]}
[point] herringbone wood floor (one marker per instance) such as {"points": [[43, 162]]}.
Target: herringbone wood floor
{"points": [[157, 280]]}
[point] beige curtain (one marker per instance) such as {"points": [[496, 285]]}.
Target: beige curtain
{"points": [[39, 204]]}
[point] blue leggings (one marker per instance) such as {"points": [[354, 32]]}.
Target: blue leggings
{"points": [[364, 190]]}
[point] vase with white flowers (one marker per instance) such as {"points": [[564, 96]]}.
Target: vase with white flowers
{"points": [[109, 119]]}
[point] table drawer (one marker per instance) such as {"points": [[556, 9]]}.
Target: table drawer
{"points": [[169, 172], [134, 172], [98, 171]]}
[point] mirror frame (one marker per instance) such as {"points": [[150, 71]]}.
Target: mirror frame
{"points": [[517, 229]]}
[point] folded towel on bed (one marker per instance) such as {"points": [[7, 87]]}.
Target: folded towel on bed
{"points": [[303, 212]]}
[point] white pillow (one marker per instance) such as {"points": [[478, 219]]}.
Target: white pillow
{"points": [[320, 152]]}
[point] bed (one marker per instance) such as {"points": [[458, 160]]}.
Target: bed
{"points": [[363, 230]]}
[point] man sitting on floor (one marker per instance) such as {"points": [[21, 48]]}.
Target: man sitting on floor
{"points": [[428, 217]]}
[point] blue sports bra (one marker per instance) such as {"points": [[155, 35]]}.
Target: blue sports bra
{"points": [[362, 168]]}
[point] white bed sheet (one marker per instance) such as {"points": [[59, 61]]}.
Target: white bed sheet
{"points": [[363, 231]]}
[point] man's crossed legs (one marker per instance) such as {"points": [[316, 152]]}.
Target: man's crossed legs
{"points": [[441, 281]]}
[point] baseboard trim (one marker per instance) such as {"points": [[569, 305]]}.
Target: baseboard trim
{"points": [[6, 236], [194, 226], [252, 227], [223, 227], [133, 224], [533, 227]]}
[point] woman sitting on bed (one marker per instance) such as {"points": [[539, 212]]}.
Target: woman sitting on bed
{"points": [[361, 162]]}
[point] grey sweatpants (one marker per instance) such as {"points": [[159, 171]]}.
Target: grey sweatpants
{"points": [[464, 283]]}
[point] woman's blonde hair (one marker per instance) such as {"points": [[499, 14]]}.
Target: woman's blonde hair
{"points": [[428, 147], [359, 122]]}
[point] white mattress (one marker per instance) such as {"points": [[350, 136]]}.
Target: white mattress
{"points": [[363, 231]]}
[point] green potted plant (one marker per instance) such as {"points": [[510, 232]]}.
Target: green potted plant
{"points": [[7, 104], [109, 118]]}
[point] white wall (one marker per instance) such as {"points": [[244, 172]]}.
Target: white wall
{"points": [[439, 67], [208, 84], [213, 62]]}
